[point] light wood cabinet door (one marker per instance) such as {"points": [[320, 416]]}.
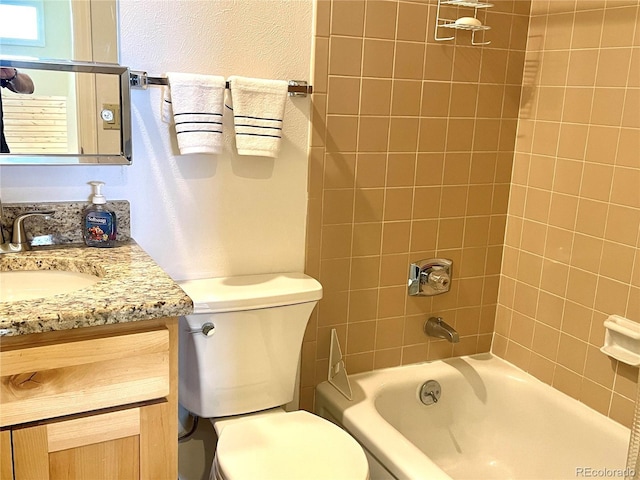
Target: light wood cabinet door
{"points": [[126, 444], [6, 461], [91, 404]]}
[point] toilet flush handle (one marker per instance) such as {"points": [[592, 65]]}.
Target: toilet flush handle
{"points": [[208, 329]]}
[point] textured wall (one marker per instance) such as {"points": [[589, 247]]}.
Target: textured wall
{"points": [[203, 215], [571, 255]]}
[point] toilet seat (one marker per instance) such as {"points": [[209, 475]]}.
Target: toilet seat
{"points": [[288, 445]]}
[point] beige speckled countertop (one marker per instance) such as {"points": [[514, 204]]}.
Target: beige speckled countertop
{"points": [[132, 288]]}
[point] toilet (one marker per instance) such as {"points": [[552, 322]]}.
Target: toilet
{"points": [[239, 354]]}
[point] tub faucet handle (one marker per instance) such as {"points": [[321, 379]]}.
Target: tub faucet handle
{"points": [[430, 277]]}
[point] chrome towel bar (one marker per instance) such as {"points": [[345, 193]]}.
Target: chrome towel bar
{"points": [[140, 80]]}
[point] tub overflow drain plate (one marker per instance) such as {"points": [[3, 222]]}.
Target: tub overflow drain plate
{"points": [[430, 392]]}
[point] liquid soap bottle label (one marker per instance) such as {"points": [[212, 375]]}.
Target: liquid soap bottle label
{"points": [[100, 227]]}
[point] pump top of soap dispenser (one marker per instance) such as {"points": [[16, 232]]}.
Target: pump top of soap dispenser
{"points": [[97, 198]]}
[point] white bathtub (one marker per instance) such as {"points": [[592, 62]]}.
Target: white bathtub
{"points": [[492, 421]]}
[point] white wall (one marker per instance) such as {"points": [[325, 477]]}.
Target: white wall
{"points": [[203, 215]]}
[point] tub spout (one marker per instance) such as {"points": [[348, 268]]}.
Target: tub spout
{"points": [[436, 327]]}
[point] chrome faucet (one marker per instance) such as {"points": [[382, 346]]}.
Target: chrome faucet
{"points": [[430, 277], [436, 327], [19, 242]]}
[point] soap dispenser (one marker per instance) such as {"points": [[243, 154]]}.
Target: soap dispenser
{"points": [[99, 221]]}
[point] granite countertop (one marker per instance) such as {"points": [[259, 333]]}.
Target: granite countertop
{"points": [[132, 288]]}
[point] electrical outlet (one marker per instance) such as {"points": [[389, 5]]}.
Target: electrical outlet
{"points": [[110, 115]]}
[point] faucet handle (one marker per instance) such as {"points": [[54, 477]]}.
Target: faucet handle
{"points": [[438, 279], [430, 277]]}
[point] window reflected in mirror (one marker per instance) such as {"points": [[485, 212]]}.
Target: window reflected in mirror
{"points": [[22, 22], [82, 30]]}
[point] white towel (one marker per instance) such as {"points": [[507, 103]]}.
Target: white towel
{"points": [[197, 103], [258, 111], [167, 111]]}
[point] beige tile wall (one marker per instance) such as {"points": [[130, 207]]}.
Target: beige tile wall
{"points": [[411, 157], [571, 253]]}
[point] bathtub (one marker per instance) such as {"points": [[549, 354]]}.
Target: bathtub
{"points": [[492, 421]]}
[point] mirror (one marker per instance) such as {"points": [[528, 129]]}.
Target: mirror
{"points": [[69, 49], [80, 115]]}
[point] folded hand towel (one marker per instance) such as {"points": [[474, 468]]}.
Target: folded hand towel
{"points": [[197, 103], [167, 111], [258, 110]]}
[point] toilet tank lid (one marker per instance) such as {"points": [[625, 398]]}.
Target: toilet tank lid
{"points": [[250, 292]]}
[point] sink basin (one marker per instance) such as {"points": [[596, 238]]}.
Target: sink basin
{"points": [[30, 284]]}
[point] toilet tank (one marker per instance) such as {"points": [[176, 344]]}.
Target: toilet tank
{"points": [[248, 360]]}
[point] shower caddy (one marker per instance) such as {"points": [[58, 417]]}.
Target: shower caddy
{"points": [[453, 25]]}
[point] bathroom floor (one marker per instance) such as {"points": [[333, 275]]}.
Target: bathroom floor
{"points": [[195, 455]]}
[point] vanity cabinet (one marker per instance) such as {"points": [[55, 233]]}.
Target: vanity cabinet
{"points": [[90, 403]]}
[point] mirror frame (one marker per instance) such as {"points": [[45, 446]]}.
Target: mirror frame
{"points": [[125, 156]]}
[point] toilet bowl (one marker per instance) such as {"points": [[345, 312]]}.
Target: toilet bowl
{"points": [[239, 355], [287, 446]]}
